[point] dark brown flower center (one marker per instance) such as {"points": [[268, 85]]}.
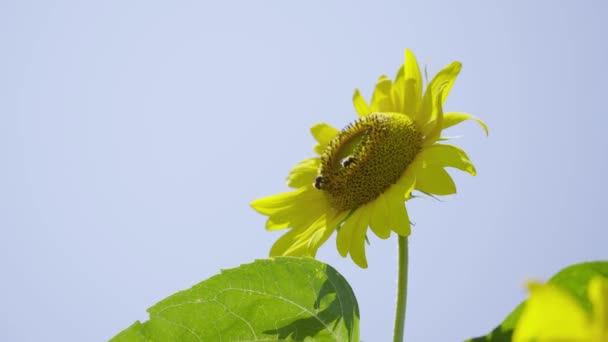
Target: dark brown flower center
{"points": [[366, 158]]}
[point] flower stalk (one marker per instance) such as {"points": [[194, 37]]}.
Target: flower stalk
{"points": [[402, 251]]}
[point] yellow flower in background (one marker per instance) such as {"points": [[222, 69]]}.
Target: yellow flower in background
{"points": [[364, 173], [553, 315]]}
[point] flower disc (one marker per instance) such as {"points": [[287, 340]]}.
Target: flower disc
{"points": [[366, 158]]}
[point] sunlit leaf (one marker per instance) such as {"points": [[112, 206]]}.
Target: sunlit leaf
{"points": [[284, 298]]}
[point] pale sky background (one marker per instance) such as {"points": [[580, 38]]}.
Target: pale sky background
{"points": [[134, 134]]}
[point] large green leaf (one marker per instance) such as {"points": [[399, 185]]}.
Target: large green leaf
{"points": [[284, 298], [574, 279]]}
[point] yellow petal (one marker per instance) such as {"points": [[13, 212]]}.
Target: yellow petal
{"points": [[443, 80], [398, 91], [381, 99], [317, 239], [345, 233], [400, 218], [306, 243], [298, 208], [304, 173], [446, 155], [432, 131], [334, 219], [424, 115], [380, 217], [285, 242], [400, 222], [434, 180], [290, 217], [331, 221], [271, 204], [323, 133], [361, 105], [453, 118], [551, 314], [306, 240], [413, 83], [357, 244]]}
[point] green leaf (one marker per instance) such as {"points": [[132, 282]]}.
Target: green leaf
{"points": [[284, 298], [574, 279]]}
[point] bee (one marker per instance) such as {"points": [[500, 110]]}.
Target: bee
{"points": [[347, 161], [318, 182]]}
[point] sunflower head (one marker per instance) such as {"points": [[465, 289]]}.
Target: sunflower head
{"points": [[363, 174]]}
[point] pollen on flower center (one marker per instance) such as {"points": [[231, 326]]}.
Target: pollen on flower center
{"points": [[366, 158]]}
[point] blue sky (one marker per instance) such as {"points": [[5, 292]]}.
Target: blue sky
{"points": [[134, 134]]}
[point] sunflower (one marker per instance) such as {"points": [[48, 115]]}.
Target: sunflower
{"points": [[363, 174]]}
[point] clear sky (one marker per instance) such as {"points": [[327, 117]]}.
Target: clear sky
{"points": [[134, 134]]}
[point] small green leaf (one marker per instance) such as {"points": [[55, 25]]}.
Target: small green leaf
{"points": [[574, 279], [284, 298]]}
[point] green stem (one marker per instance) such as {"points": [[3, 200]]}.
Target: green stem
{"points": [[401, 290]]}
